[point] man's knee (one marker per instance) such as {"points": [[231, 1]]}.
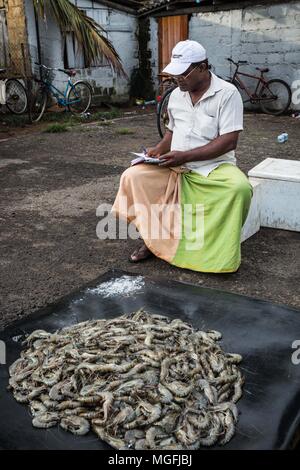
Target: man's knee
{"points": [[139, 175], [130, 174], [243, 188]]}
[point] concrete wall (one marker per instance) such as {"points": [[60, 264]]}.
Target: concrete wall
{"points": [[265, 36], [120, 28]]}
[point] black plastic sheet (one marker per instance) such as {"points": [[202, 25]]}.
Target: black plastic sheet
{"points": [[261, 331]]}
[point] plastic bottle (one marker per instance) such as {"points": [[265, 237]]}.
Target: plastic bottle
{"points": [[282, 137]]}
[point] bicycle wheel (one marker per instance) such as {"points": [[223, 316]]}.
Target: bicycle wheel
{"points": [[162, 112], [165, 85], [16, 96], [38, 104], [275, 97], [79, 97]]}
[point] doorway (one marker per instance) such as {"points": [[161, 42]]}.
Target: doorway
{"points": [[171, 29]]}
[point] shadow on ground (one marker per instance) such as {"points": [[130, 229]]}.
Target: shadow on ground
{"points": [[51, 185]]}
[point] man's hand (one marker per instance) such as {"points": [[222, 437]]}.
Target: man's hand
{"points": [[153, 152], [162, 147], [174, 158]]}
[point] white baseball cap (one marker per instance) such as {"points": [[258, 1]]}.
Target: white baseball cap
{"points": [[184, 54]]}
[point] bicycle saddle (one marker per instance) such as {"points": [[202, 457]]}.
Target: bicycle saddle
{"points": [[2, 70], [69, 72], [262, 70]]}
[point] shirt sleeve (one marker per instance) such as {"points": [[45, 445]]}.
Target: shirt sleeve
{"points": [[231, 114], [170, 124]]}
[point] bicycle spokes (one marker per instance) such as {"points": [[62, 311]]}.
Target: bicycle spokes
{"points": [[79, 98], [275, 97], [16, 98], [38, 104]]}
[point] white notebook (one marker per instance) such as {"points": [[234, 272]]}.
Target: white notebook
{"points": [[142, 158]]}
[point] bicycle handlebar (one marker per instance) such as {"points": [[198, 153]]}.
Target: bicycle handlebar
{"points": [[41, 65], [52, 68], [45, 66], [239, 62]]}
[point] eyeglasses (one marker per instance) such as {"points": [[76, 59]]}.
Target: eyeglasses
{"points": [[184, 77]]}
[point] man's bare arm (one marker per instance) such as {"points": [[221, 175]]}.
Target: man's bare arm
{"points": [[217, 147], [162, 147]]}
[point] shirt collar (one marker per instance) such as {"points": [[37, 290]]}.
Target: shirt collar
{"points": [[215, 86]]}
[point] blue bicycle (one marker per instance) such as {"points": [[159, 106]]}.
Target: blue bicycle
{"points": [[76, 98]]}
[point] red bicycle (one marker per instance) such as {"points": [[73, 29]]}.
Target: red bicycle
{"points": [[273, 96]]}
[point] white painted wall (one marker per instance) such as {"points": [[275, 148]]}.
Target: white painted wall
{"points": [[120, 28], [266, 36]]}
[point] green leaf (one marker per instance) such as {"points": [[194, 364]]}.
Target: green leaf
{"points": [[89, 34]]}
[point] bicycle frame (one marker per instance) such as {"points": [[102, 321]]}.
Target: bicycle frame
{"points": [[253, 97], [51, 89]]}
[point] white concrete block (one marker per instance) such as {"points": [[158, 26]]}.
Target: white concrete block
{"points": [[279, 193], [292, 57], [275, 58], [252, 224], [278, 11], [278, 169]]}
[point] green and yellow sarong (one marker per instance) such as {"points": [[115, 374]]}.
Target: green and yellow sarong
{"points": [[184, 218]]}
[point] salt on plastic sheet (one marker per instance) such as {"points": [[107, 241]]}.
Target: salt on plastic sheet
{"points": [[124, 285]]}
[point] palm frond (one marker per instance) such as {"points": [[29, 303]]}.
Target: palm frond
{"points": [[89, 34]]}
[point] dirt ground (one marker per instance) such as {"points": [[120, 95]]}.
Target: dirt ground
{"points": [[51, 185]]}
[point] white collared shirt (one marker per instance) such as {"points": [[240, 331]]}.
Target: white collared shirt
{"points": [[218, 111]]}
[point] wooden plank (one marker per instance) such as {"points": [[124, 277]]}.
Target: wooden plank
{"points": [[118, 6]]}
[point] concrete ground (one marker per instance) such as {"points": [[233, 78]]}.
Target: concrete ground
{"points": [[51, 185]]}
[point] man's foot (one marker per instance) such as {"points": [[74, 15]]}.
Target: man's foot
{"points": [[140, 254]]}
